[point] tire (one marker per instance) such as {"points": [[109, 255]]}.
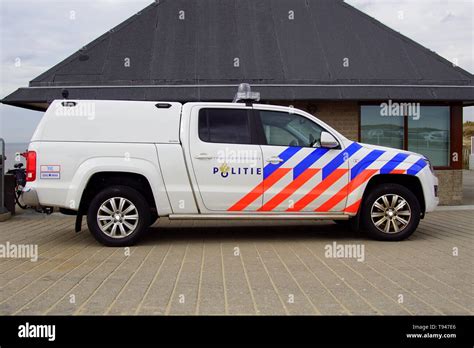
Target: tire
{"points": [[402, 222], [130, 224]]}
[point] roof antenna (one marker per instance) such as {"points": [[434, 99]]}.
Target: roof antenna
{"points": [[245, 94], [65, 93]]}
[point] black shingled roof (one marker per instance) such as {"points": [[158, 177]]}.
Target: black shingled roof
{"points": [[301, 59]]}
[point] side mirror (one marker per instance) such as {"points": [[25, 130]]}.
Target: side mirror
{"points": [[328, 141]]}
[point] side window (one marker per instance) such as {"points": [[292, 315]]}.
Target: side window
{"points": [[228, 126], [285, 129]]}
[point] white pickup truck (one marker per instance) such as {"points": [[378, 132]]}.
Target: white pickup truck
{"points": [[124, 164]]}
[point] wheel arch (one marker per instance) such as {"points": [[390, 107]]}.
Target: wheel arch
{"points": [[109, 166], [100, 180], [411, 182]]}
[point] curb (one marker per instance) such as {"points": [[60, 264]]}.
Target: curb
{"points": [[5, 216], [454, 207]]}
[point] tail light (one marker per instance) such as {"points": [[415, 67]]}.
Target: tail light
{"points": [[31, 166]]}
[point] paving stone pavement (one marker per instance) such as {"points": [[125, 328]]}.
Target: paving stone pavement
{"points": [[240, 268]]}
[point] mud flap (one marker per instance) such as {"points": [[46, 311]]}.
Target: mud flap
{"points": [[354, 223], [78, 226]]}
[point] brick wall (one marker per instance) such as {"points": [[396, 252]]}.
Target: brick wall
{"points": [[342, 116], [450, 186]]}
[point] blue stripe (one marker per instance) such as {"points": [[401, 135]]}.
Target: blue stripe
{"points": [[340, 159], [308, 161], [417, 167], [285, 156], [393, 163], [365, 162]]}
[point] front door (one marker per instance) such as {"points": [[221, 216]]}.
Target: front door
{"points": [[226, 159], [299, 175]]}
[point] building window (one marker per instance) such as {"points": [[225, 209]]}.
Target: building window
{"points": [[429, 135], [381, 130], [427, 131]]}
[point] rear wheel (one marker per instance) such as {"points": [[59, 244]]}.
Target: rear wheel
{"points": [[118, 216], [391, 212]]}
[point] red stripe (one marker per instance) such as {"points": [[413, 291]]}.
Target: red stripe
{"points": [[289, 189], [259, 189], [346, 190], [318, 190], [398, 171], [354, 208]]}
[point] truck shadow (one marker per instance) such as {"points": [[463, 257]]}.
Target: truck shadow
{"points": [[258, 231]]}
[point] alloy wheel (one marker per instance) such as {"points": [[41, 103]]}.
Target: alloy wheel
{"points": [[390, 213], [117, 217]]}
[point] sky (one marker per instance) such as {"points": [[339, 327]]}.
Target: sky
{"points": [[37, 34]]}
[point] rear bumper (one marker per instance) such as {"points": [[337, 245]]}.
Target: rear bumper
{"points": [[29, 196]]}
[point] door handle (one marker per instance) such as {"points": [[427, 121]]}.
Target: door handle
{"points": [[203, 156], [274, 160]]}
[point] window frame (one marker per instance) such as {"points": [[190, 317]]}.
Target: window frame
{"points": [[455, 110]]}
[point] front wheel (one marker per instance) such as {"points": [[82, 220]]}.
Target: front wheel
{"points": [[391, 212], [118, 216]]}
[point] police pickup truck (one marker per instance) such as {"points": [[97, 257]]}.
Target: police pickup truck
{"points": [[124, 164]]}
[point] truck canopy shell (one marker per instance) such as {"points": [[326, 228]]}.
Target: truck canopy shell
{"points": [[110, 121]]}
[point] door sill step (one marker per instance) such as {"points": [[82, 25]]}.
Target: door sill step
{"points": [[258, 217]]}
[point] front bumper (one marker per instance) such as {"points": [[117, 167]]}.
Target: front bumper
{"points": [[30, 197], [431, 194]]}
